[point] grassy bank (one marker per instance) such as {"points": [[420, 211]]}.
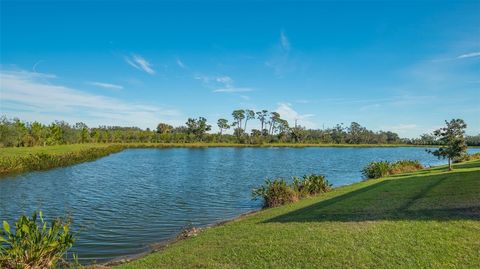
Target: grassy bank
{"points": [[17, 160], [429, 218]]}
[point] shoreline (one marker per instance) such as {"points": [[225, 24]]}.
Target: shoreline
{"points": [[161, 246]]}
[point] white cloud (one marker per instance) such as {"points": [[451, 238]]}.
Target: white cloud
{"points": [[226, 80], [140, 63], [469, 55], [181, 64], [221, 84], [232, 90], [37, 99], [284, 41], [105, 85], [288, 113], [281, 60]]}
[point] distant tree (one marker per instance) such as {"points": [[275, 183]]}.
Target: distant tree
{"points": [[274, 118], [163, 128], [262, 117], [83, 129], [198, 127], [473, 140], [222, 125], [39, 133], [298, 133], [249, 115], [55, 134], [255, 133], [453, 140], [238, 116]]}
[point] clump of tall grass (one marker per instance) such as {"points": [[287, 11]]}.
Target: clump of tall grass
{"points": [[468, 157], [310, 185], [43, 161], [33, 245], [275, 193], [278, 192], [385, 168]]}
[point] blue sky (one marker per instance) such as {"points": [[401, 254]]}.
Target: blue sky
{"points": [[401, 66]]}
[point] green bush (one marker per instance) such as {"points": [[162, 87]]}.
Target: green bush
{"points": [[310, 185], [405, 166], [385, 168], [376, 169], [468, 157], [33, 245], [275, 193]]}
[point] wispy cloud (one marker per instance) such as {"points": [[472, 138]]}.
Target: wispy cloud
{"points": [[34, 96], [281, 60], [284, 41], [222, 84], [105, 85], [231, 90], [140, 63], [469, 55], [287, 112], [181, 64]]}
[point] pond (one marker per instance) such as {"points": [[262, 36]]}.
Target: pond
{"points": [[124, 203]]}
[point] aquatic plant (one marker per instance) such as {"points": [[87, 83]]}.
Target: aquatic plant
{"points": [[33, 245]]}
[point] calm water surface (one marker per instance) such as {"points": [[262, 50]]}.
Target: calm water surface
{"points": [[124, 203]]}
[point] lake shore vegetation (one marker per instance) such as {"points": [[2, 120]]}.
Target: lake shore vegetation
{"points": [[273, 130]]}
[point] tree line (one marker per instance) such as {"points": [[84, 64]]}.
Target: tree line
{"points": [[273, 129]]}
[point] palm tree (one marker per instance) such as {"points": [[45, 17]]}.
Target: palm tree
{"points": [[262, 116], [249, 115], [274, 118], [238, 116]]}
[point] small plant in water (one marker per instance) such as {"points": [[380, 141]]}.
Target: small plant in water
{"points": [[33, 245]]}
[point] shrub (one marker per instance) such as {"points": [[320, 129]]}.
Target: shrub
{"points": [[275, 193], [376, 169], [468, 157], [405, 166], [384, 168], [33, 245], [310, 185]]}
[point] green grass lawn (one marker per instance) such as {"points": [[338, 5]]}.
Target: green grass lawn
{"points": [[427, 219]]}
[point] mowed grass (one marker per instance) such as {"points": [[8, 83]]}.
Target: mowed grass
{"points": [[426, 219]]}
